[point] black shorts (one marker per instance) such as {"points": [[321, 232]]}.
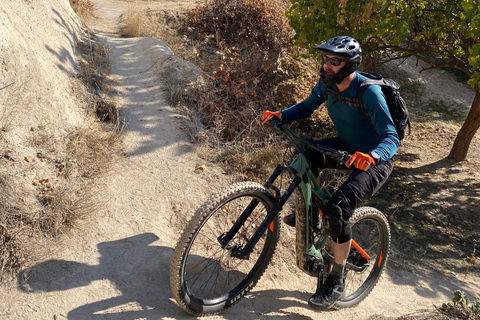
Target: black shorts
{"points": [[359, 186]]}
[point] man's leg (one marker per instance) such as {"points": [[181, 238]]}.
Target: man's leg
{"points": [[334, 287], [335, 220], [341, 251], [359, 185]]}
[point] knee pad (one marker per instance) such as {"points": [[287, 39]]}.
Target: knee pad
{"points": [[333, 220], [336, 222]]}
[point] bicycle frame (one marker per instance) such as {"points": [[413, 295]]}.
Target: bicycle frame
{"points": [[310, 188], [309, 254], [303, 178]]}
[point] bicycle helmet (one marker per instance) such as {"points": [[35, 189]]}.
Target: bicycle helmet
{"points": [[345, 47]]}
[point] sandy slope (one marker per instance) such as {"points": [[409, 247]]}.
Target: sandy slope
{"points": [[116, 266]]}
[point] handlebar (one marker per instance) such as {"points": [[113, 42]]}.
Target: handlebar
{"points": [[340, 156]]}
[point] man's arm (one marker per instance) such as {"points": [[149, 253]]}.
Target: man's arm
{"points": [[306, 107], [374, 101]]}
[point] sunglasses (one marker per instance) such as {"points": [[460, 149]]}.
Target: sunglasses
{"points": [[333, 60]]}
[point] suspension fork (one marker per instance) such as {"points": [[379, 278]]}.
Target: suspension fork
{"points": [[243, 253]]}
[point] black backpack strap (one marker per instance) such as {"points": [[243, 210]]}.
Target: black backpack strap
{"points": [[373, 79], [360, 90], [353, 102], [368, 82], [357, 102]]}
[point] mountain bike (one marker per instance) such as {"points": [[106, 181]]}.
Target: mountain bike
{"points": [[229, 242]]}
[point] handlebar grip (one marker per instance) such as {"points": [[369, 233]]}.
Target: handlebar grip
{"points": [[277, 123]]}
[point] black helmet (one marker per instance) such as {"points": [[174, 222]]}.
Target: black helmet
{"points": [[341, 46]]}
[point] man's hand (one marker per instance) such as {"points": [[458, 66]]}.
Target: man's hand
{"points": [[269, 115], [361, 161]]}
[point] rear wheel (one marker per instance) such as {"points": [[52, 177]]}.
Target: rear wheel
{"points": [[371, 231], [204, 276]]}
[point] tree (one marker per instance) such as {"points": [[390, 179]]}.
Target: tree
{"points": [[443, 33]]}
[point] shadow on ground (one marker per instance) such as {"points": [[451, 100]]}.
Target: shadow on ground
{"points": [[433, 211], [140, 272]]}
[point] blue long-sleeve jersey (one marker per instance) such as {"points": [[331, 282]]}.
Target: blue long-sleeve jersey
{"points": [[373, 133]]}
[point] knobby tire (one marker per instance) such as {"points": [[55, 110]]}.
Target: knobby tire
{"points": [[204, 277], [370, 229], [300, 230]]}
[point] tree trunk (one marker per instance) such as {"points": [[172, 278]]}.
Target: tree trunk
{"points": [[465, 135]]}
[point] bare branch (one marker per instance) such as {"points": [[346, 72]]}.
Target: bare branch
{"points": [[395, 52]]}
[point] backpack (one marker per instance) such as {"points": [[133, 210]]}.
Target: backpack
{"points": [[396, 104]]}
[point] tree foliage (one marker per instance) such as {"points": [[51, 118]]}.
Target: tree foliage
{"points": [[443, 33], [440, 32]]}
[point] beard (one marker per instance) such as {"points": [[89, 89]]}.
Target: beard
{"points": [[337, 78], [330, 80]]}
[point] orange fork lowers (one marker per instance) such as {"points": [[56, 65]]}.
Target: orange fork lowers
{"points": [[359, 249]]}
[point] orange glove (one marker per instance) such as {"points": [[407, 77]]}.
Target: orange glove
{"points": [[269, 115], [362, 161]]}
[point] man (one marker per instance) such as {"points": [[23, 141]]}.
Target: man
{"points": [[372, 140]]}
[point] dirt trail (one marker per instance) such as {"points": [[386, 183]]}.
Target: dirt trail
{"points": [[116, 266]]}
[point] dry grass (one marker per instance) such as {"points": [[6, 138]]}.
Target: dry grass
{"points": [[94, 150], [94, 64], [83, 8], [58, 200], [8, 99], [66, 164], [11, 257], [6, 114], [160, 25], [131, 27]]}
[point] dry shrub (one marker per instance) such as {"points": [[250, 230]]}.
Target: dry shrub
{"points": [[94, 64], [252, 39], [63, 208], [93, 147], [246, 53], [10, 256], [83, 8], [164, 26], [61, 197], [132, 22], [141, 21], [251, 25], [106, 111]]}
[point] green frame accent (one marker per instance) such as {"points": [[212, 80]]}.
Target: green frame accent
{"points": [[309, 187]]}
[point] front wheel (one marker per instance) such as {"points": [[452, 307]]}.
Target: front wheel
{"points": [[371, 232], [204, 275]]}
